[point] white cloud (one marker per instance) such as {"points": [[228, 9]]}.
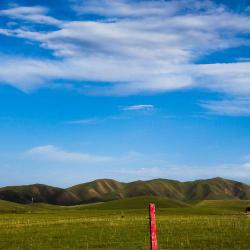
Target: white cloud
{"points": [[246, 166], [144, 107], [230, 107], [35, 14], [53, 153], [129, 8], [96, 120], [240, 171], [84, 121], [247, 158], [136, 47], [136, 165]]}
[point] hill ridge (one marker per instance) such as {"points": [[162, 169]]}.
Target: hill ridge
{"points": [[101, 190]]}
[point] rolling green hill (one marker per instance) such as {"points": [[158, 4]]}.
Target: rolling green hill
{"points": [[108, 190], [99, 190], [7, 206], [235, 205], [141, 202], [24, 194], [12, 207]]}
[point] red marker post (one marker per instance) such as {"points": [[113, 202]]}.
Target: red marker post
{"points": [[152, 222]]}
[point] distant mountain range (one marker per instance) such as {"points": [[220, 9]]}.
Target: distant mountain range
{"points": [[107, 189]]}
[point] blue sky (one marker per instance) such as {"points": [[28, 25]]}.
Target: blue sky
{"points": [[124, 89]]}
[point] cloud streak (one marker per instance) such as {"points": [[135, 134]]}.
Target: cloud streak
{"points": [[53, 153], [89, 121], [230, 107], [140, 107], [240, 171], [35, 14], [130, 48]]}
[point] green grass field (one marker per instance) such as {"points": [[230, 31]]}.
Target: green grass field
{"points": [[121, 225]]}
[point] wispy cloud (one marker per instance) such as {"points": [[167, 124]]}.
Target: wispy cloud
{"points": [[84, 121], [229, 107], [36, 14], [142, 107], [240, 171], [136, 165], [96, 120], [121, 116], [53, 153], [126, 8], [136, 47]]}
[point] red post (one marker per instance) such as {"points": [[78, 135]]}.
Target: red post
{"points": [[153, 237]]}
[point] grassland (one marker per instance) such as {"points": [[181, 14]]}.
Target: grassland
{"points": [[121, 225]]}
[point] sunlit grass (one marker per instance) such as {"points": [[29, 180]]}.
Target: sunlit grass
{"points": [[69, 228]]}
